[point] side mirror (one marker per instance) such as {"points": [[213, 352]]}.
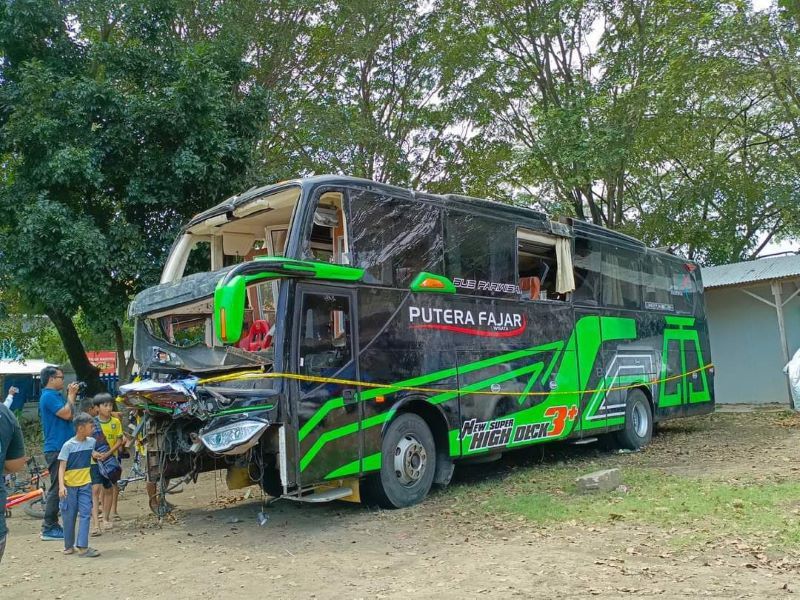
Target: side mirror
{"points": [[229, 301], [231, 292]]}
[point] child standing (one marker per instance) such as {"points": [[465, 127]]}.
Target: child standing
{"points": [[111, 427], [97, 480], [75, 487]]}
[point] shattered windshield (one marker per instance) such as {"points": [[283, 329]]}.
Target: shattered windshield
{"points": [[181, 334], [180, 330]]}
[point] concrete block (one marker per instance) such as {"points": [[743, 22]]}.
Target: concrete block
{"points": [[599, 481]]}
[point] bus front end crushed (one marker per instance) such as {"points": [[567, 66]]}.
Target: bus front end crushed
{"points": [[189, 426], [203, 406], [213, 398]]}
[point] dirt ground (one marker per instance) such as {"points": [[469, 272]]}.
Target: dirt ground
{"points": [[446, 547]]}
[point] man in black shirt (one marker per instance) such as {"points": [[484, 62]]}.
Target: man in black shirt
{"points": [[12, 457]]}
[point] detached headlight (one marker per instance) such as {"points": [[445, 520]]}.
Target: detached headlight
{"points": [[241, 436]]}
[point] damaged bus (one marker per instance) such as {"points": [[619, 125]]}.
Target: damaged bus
{"points": [[336, 338]]}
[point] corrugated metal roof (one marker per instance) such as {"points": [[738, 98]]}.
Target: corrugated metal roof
{"points": [[29, 367], [763, 269]]}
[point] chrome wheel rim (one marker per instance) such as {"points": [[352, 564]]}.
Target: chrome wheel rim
{"points": [[410, 460], [640, 419]]}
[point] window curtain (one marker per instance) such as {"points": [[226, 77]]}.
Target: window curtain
{"points": [[565, 278], [612, 283]]}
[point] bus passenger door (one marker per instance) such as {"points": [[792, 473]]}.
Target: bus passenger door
{"points": [[328, 412]]}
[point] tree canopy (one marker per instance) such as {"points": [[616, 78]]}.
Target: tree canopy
{"points": [[119, 121], [675, 120]]}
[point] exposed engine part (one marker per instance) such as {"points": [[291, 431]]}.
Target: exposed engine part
{"points": [[215, 400], [182, 436], [197, 445]]}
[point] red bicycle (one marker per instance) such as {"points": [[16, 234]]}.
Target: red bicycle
{"points": [[28, 490]]}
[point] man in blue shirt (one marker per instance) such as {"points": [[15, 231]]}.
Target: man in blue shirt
{"points": [[56, 416]]}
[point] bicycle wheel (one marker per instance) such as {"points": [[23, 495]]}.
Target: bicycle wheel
{"points": [[34, 508]]}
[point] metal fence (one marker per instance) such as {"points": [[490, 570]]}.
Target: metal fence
{"points": [[111, 382]]}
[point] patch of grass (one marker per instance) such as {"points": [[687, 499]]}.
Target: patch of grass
{"points": [[696, 509]]}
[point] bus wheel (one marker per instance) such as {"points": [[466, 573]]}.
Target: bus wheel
{"points": [[638, 422], [408, 463]]}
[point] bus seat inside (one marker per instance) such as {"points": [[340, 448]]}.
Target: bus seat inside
{"points": [[258, 337], [537, 265], [544, 264], [530, 287]]}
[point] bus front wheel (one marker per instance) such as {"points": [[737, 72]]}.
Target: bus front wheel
{"points": [[408, 463], [638, 427]]}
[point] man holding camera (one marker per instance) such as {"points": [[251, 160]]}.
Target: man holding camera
{"points": [[56, 415]]}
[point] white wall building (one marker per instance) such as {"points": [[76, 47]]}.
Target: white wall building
{"points": [[753, 311]]}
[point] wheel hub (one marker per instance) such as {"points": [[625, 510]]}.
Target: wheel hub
{"points": [[640, 424], [410, 460]]}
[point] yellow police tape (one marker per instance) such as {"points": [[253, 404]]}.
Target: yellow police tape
{"points": [[244, 375]]}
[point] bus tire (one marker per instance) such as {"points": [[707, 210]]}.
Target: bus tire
{"points": [[638, 429], [408, 464]]}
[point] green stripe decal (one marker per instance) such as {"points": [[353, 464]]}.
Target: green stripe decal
{"points": [[324, 439], [455, 443], [235, 411], [335, 403], [534, 369], [155, 408], [369, 463], [229, 411], [330, 405], [351, 468]]}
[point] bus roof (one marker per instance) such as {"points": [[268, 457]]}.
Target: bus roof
{"points": [[466, 203], [490, 208]]}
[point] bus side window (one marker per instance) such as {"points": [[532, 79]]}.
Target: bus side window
{"points": [[480, 254], [394, 239], [537, 266], [621, 278], [683, 286], [656, 284], [587, 261]]}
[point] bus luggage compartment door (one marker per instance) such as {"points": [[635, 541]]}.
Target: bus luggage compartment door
{"points": [[506, 401]]}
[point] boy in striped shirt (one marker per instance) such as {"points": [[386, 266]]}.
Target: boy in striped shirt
{"points": [[75, 486]]}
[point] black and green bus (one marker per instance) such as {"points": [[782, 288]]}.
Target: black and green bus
{"points": [[337, 338]]}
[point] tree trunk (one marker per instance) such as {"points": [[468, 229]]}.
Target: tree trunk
{"points": [[84, 370], [129, 364], [123, 366], [596, 212]]}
